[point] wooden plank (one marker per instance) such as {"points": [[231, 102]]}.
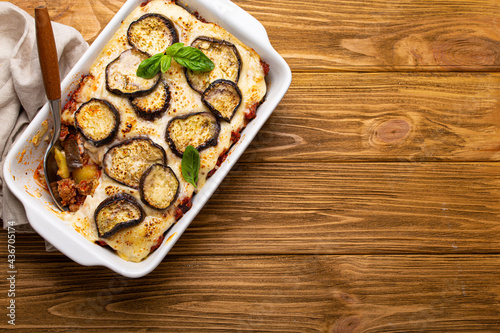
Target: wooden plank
{"points": [[384, 116], [351, 208], [401, 35], [264, 293], [349, 35]]}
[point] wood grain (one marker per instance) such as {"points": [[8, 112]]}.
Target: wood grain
{"points": [[398, 35], [348, 208], [264, 294], [351, 35], [384, 116], [351, 208], [89, 17], [369, 202]]}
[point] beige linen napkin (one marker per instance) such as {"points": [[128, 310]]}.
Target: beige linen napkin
{"points": [[21, 87]]}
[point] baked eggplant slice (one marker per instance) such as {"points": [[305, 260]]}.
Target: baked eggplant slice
{"points": [[98, 121], [159, 187], [200, 130], [121, 78], [154, 104], [152, 34], [126, 161], [222, 97], [117, 212], [225, 57]]}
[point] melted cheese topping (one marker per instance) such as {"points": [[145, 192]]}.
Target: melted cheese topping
{"points": [[135, 243]]}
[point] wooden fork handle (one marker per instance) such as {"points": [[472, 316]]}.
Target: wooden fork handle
{"points": [[47, 53]]}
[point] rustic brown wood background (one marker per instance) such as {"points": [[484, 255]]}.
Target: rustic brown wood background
{"points": [[369, 202]]}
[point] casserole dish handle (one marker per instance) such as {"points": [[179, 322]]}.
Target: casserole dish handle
{"points": [[70, 246]]}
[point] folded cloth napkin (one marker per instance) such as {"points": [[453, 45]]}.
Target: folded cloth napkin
{"points": [[22, 92]]}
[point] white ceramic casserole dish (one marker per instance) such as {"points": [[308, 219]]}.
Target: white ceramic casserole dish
{"points": [[24, 157]]}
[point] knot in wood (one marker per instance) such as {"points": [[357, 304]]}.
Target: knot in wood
{"points": [[346, 325], [391, 132], [347, 298]]}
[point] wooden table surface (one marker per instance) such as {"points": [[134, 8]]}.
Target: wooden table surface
{"points": [[369, 202]]}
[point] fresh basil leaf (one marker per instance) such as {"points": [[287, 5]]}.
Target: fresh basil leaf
{"points": [[165, 63], [172, 49], [187, 56], [194, 59], [149, 67], [190, 165]]}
